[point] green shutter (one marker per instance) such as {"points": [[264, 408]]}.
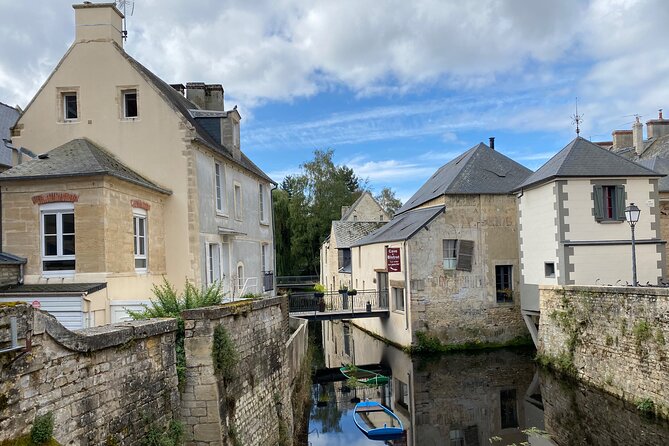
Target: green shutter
{"points": [[598, 196], [620, 203]]}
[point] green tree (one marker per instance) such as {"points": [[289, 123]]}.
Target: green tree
{"points": [[388, 201], [305, 206]]}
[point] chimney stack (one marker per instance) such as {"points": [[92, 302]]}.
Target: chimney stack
{"points": [[637, 136], [492, 142], [658, 127], [195, 94], [180, 88], [622, 139], [213, 94], [101, 22]]}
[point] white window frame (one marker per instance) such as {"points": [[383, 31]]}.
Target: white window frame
{"points": [[57, 209], [124, 93], [64, 95], [399, 291], [239, 202], [450, 263], [263, 257], [211, 270], [240, 277], [219, 188], [261, 203], [140, 215]]}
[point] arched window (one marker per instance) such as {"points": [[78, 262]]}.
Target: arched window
{"points": [[240, 275]]}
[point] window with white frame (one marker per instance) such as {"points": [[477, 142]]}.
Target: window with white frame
{"points": [[219, 186], [261, 202], [130, 109], [70, 106], [240, 276], [398, 298], [238, 201], [263, 257], [140, 239], [58, 242], [213, 263], [458, 254]]}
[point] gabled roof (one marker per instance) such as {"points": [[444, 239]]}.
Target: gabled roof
{"points": [[79, 157], [581, 158], [402, 227], [184, 107], [480, 170], [351, 209], [659, 165], [348, 232]]}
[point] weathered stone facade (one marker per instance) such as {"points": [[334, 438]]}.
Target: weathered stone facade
{"points": [[9, 274], [611, 337], [252, 403], [104, 385]]}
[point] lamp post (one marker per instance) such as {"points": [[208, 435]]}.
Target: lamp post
{"points": [[632, 216]]}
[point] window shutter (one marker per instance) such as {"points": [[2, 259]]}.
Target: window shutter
{"points": [[598, 196], [465, 255], [620, 203], [340, 258]]}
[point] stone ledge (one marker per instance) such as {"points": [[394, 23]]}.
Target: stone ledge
{"points": [[648, 291], [230, 308]]}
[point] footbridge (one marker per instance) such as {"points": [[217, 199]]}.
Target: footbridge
{"points": [[337, 306]]}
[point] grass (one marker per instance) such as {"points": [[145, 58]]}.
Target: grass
{"points": [[429, 344]]}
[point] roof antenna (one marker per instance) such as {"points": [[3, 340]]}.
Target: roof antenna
{"points": [[123, 5], [577, 119]]}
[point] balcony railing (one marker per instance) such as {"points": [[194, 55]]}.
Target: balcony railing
{"points": [[268, 280], [362, 301]]}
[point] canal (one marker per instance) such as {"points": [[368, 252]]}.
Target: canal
{"points": [[493, 398]]}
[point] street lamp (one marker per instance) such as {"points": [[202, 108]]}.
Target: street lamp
{"points": [[632, 216]]}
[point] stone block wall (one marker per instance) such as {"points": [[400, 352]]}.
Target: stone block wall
{"points": [[104, 385], [9, 274], [252, 404], [614, 338]]}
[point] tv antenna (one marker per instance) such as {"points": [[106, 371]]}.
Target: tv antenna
{"points": [[577, 119], [123, 6]]}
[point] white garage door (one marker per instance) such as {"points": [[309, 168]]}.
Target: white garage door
{"points": [[119, 309], [67, 309]]}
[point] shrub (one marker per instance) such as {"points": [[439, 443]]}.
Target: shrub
{"points": [[224, 354], [42, 429]]}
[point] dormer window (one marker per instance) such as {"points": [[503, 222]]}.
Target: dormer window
{"points": [[130, 104], [70, 109]]}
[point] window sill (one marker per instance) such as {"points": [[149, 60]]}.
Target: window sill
{"points": [[69, 121], [129, 119], [222, 214], [399, 311], [264, 223], [58, 274], [610, 222], [505, 304]]}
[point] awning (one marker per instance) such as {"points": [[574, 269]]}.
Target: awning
{"points": [[228, 231]]}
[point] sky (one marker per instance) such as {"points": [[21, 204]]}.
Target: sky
{"points": [[395, 88]]}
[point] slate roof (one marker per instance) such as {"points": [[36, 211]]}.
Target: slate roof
{"points": [[79, 157], [656, 147], [402, 227], [659, 165], [10, 259], [8, 117], [480, 170], [348, 232], [53, 288], [581, 158], [184, 107]]}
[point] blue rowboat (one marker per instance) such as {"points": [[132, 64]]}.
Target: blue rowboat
{"points": [[377, 421]]}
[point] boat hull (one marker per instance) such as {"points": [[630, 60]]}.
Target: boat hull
{"points": [[368, 416]]}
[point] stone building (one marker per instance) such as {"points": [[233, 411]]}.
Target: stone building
{"points": [[361, 218], [447, 263], [573, 228], [138, 180]]}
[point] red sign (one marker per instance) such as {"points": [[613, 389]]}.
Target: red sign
{"points": [[36, 304], [393, 264]]}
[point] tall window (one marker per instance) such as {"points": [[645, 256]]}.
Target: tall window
{"points": [[58, 247], [219, 185], [450, 254], [70, 111], [398, 298], [214, 263], [238, 202], [402, 393], [130, 103], [263, 257], [609, 202], [261, 201], [140, 236], [503, 283], [508, 410], [240, 276], [458, 254]]}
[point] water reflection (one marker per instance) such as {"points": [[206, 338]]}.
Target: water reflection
{"points": [[468, 399]]}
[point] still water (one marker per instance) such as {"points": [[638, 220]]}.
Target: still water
{"points": [[468, 399]]}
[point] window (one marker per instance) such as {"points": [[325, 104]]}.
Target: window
{"points": [[549, 269], [238, 202], [609, 202], [214, 263], [263, 257], [508, 412], [140, 235], [402, 394], [235, 133], [130, 103], [503, 285], [58, 243], [261, 201], [347, 340], [70, 112], [240, 276], [344, 259], [219, 186], [458, 254], [398, 298]]}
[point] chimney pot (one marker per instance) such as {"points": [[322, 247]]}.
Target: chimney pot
{"points": [[492, 142]]}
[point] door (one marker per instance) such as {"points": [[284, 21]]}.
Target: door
{"points": [[382, 288], [225, 266]]}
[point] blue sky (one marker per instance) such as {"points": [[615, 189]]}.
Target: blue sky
{"points": [[396, 88]]}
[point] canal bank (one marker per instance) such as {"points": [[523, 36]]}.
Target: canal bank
{"points": [[496, 397]]}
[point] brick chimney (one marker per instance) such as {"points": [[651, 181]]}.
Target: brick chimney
{"points": [[213, 95], [658, 127], [101, 22], [637, 136], [622, 139]]}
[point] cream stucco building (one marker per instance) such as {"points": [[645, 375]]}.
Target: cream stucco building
{"points": [[140, 180]]}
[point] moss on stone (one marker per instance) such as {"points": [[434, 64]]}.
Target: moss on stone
{"points": [[429, 344]]}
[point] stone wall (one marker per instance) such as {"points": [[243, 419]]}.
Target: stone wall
{"points": [[9, 274], [614, 338], [104, 385], [249, 404]]}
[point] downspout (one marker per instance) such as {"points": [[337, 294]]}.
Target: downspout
{"points": [[271, 207], [407, 287]]}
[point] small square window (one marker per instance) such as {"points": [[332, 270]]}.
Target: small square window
{"points": [[398, 299], [549, 269], [70, 111], [503, 283], [130, 104]]}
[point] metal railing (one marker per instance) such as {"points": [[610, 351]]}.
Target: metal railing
{"points": [[296, 280], [268, 280], [361, 301], [250, 285]]}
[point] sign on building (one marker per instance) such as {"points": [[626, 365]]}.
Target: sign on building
{"points": [[393, 264]]}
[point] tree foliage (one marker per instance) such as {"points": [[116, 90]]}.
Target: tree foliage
{"points": [[388, 201], [305, 206]]}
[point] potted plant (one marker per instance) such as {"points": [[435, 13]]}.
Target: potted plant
{"points": [[352, 292], [343, 289], [319, 290]]}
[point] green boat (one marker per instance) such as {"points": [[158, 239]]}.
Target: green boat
{"points": [[363, 376]]}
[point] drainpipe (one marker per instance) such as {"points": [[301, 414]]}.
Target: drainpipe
{"points": [[407, 287], [271, 209]]}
